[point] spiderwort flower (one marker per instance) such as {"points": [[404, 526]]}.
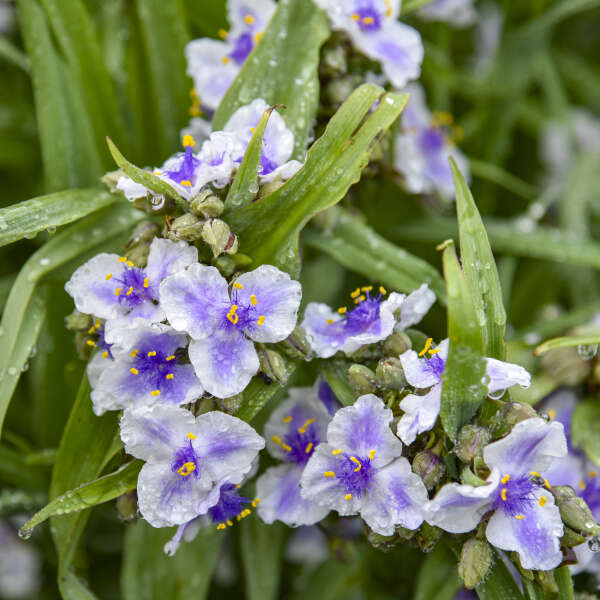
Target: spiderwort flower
{"points": [[186, 458], [111, 287], [460, 13], [373, 28], [424, 145], [262, 306], [214, 64], [525, 518], [360, 470], [293, 432], [370, 321], [425, 369]]}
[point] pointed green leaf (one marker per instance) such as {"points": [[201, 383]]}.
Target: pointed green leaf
{"points": [[568, 342], [269, 228], [438, 577], [283, 69]]}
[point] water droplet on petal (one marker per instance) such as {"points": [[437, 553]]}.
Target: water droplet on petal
{"points": [[587, 351]]}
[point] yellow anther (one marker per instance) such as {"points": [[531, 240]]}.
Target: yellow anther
{"points": [[258, 36], [368, 20], [519, 517], [434, 351], [249, 20], [195, 111], [535, 473], [355, 17], [237, 285], [97, 323], [152, 353], [503, 494], [245, 513], [277, 440], [146, 282], [117, 291], [366, 288], [253, 300], [134, 353], [382, 290], [252, 130], [172, 357], [122, 259], [229, 522], [221, 526], [133, 370], [286, 447], [388, 9], [582, 485], [330, 321], [91, 343], [187, 468], [305, 426], [255, 502], [222, 35], [309, 447], [593, 474], [191, 436], [342, 310], [360, 299], [155, 393], [186, 182], [92, 329], [129, 263], [188, 140], [170, 376], [109, 276], [225, 60], [129, 291], [348, 497], [231, 315], [105, 354], [426, 347], [261, 320], [547, 484], [542, 500], [329, 474], [355, 293], [287, 419], [336, 452], [551, 413], [357, 462], [505, 479], [371, 454]]}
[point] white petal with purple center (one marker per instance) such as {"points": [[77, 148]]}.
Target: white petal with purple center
{"points": [[219, 157], [424, 372], [167, 258], [249, 15], [324, 329]]}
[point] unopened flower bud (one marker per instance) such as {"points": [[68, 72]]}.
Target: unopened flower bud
{"points": [[127, 505], [207, 205], [333, 61], [187, 227], [337, 90], [574, 511], [138, 246], [471, 440], [232, 404], [296, 345], [396, 344], [111, 179], [271, 187], [384, 543], [571, 538], [515, 412], [429, 467], [390, 373], [78, 321], [225, 264], [272, 365], [362, 379], [219, 237], [546, 581], [475, 560], [428, 536]]}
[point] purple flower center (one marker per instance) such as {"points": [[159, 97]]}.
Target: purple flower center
{"points": [[355, 474], [432, 140], [361, 318], [367, 18], [435, 364], [515, 496], [134, 287], [186, 173], [185, 462], [300, 442], [268, 165], [242, 315], [242, 47], [229, 506]]}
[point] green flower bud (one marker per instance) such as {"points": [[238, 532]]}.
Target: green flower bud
{"points": [[333, 61], [187, 227], [428, 536], [207, 205], [219, 237], [471, 440], [225, 264], [271, 187], [272, 365], [77, 321], [515, 412], [385, 543], [429, 467], [574, 511], [396, 344], [362, 379], [296, 345], [127, 507], [475, 561], [571, 538], [546, 581], [111, 179], [391, 374], [232, 404]]}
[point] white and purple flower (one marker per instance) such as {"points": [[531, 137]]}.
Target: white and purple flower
{"points": [[293, 433], [525, 518], [187, 459], [111, 287], [460, 13], [360, 470], [424, 371], [373, 319], [261, 306], [214, 64], [424, 146], [150, 369], [374, 29]]}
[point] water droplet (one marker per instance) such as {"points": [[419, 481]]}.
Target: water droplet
{"points": [[545, 416], [157, 201], [44, 262], [51, 229], [33, 351], [253, 187], [12, 371], [532, 338], [496, 395], [25, 367], [25, 534], [589, 524], [594, 544], [587, 351]]}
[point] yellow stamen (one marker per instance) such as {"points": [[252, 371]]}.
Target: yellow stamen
{"points": [[253, 300], [133, 370], [503, 494], [129, 291], [542, 500], [188, 140], [382, 290], [519, 517], [129, 263], [582, 485], [305, 426], [221, 526], [261, 320], [366, 288], [237, 285], [388, 10], [122, 259], [286, 447], [249, 19], [172, 357], [547, 484], [360, 299], [105, 354], [357, 462], [97, 324], [134, 353], [535, 473], [191, 436], [222, 35], [258, 36], [277, 440], [146, 282], [155, 393], [109, 276], [152, 353], [91, 343], [355, 17], [117, 291], [186, 182], [287, 419], [187, 469], [329, 474], [255, 502], [434, 351], [225, 60], [348, 497], [329, 321], [336, 452], [342, 310], [593, 474], [309, 447], [355, 293], [551, 413], [252, 130], [92, 329], [170, 376], [368, 20], [229, 522], [505, 479], [372, 454], [426, 347], [231, 315]]}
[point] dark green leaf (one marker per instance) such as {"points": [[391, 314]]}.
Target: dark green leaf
{"points": [[269, 228], [9, 52], [438, 577], [282, 69], [499, 583], [585, 428]]}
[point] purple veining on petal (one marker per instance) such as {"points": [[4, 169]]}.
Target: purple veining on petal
{"points": [[327, 397], [242, 46], [364, 317], [355, 474], [431, 140], [436, 365], [230, 504], [156, 430], [187, 169], [515, 496], [133, 287]]}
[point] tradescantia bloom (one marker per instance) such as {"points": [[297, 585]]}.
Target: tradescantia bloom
{"points": [[360, 470], [425, 369], [374, 29], [525, 518], [214, 64], [423, 147], [459, 13], [293, 432], [370, 321], [261, 306], [147, 371], [111, 287], [187, 459]]}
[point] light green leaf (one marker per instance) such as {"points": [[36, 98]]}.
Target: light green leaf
{"points": [[241, 191], [268, 228], [357, 247], [480, 269], [9, 52], [336, 375], [262, 557], [47, 212], [564, 581], [585, 428], [283, 69], [90, 494], [462, 387], [499, 583], [148, 573], [438, 577], [568, 342]]}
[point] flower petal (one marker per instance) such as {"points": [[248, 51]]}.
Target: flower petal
{"points": [[280, 500], [363, 427], [218, 159], [503, 375], [324, 329], [260, 12], [195, 300], [424, 372], [167, 258], [276, 297], [420, 414], [224, 362], [532, 445], [118, 330], [536, 536], [131, 189], [415, 307]]}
